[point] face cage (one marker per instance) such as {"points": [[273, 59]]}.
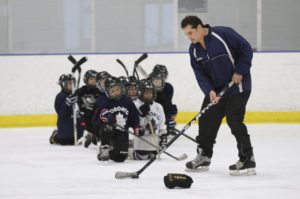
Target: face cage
{"points": [[63, 84], [134, 97], [164, 75], [98, 85], [158, 88], [115, 97]]}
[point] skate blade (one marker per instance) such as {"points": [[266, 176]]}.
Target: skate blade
{"points": [[244, 172], [199, 169]]}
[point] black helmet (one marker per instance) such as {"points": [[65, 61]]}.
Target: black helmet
{"points": [[62, 81], [157, 80], [146, 85], [162, 69], [123, 81], [111, 82], [132, 85], [100, 78], [89, 74]]}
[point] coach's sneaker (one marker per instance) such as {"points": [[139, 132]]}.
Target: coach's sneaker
{"points": [[246, 167], [103, 154], [53, 137], [200, 163]]}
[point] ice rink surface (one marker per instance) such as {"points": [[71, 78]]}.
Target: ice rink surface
{"points": [[32, 168]]}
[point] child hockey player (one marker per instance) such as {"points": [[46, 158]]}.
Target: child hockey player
{"points": [[64, 101], [87, 98], [114, 115], [152, 122], [165, 93]]}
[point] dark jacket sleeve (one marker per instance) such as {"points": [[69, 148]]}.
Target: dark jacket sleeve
{"points": [[61, 107], [241, 50]]}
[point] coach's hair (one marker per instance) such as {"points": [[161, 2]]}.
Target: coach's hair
{"points": [[192, 20]]}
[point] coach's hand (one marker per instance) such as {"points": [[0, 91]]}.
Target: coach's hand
{"points": [[237, 78], [213, 97]]}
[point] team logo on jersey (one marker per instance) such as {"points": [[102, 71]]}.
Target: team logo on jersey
{"points": [[119, 109], [151, 126], [121, 115], [120, 120], [153, 114], [88, 102]]}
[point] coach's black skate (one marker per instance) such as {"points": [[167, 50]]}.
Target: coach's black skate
{"points": [[103, 154], [246, 167], [53, 137], [200, 163]]}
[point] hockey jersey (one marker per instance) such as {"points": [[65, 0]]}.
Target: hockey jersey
{"points": [[65, 128], [124, 110], [155, 120]]}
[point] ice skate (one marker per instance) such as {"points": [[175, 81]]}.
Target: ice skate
{"points": [[199, 163], [103, 154], [53, 137], [243, 168]]}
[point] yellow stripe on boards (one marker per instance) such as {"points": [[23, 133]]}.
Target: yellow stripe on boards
{"points": [[182, 118], [252, 117], [28, 120]]}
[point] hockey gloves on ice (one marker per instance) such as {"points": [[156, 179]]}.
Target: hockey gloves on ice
{"points": [[107, 117], [173, 180], [71, 99], [144, 109]]}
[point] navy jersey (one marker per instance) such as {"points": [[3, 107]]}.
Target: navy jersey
{"points": [[124, 110], [164, 98], [86, 101], [226, 53], [87, 98], [65, 118]]}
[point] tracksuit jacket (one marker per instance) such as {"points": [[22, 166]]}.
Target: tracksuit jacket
{"points": [[226, 53]]}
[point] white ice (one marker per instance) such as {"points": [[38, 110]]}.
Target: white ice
{"points": [[32, 168]]}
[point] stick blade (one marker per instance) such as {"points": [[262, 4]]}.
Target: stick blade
{"points": [[122, 175], [183, 157]]}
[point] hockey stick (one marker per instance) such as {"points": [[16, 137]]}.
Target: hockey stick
{"points": [[182, 157], [123, 65], [121, 175], [185, 135], [142, 71], [136, 63], [72, 59], [76, 67], [152, 132]]}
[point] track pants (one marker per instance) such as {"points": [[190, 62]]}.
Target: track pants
{"points": [[234, 108]]}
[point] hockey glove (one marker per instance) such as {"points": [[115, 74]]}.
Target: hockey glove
{"points": [[173, 180], [71, 99], [107, 117], [163, 140], [139, 131], [144, 109]]}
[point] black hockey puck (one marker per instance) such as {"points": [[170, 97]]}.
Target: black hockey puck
{"points": [[135, 176]]}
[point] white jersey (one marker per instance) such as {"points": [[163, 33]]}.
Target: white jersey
{"points": [[155, 120]]}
